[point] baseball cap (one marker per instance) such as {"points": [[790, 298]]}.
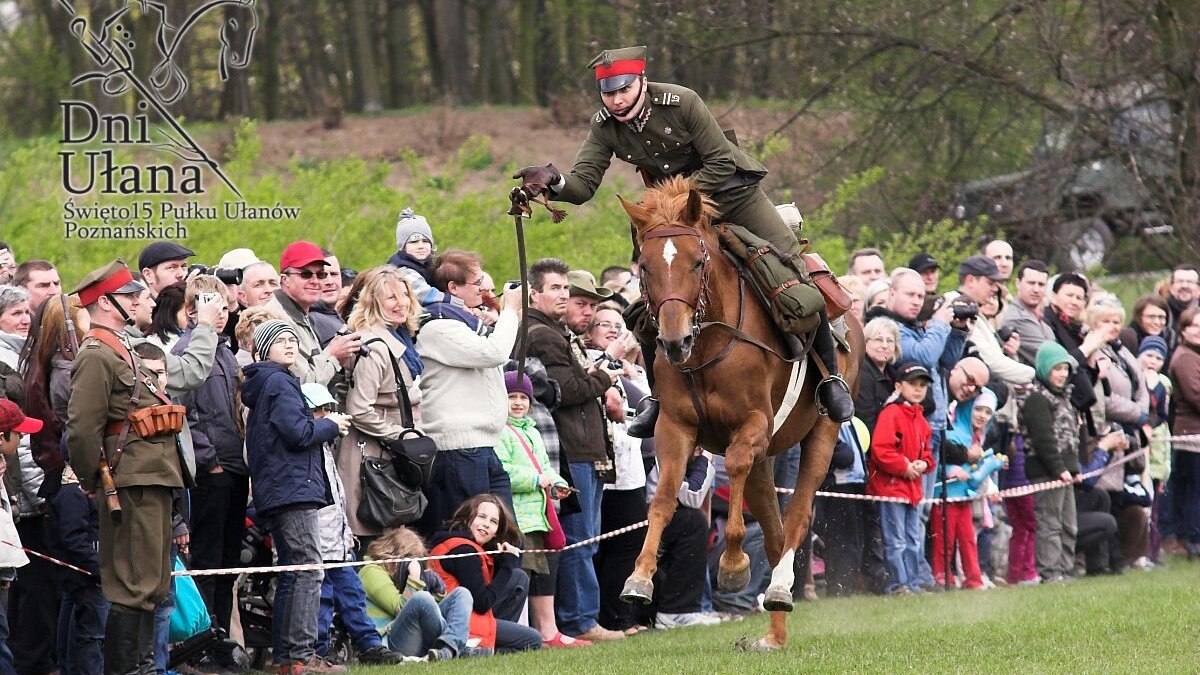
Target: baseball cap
{"points": [[12, 419], [908, 371], [980, 266], [923, 261], [160, 252], [299, 254], [316, 394]]}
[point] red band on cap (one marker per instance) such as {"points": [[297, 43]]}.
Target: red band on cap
{"points": [[92, 293], [626, 67]]}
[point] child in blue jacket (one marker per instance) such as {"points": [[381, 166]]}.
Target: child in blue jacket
{"points": [[287, 469]]}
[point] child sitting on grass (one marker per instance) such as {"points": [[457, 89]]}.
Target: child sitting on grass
{"points": [[901, 451]]}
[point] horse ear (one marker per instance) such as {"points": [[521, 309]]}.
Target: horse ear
{"points": [[638, 214], [695, 205]]}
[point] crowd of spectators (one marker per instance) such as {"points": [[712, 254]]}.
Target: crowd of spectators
{"points": [[1034, 397]]}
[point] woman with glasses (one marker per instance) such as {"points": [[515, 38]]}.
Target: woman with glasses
{"points": [[1149, 317], [875, 380], [384, 314], [1124, 402]]}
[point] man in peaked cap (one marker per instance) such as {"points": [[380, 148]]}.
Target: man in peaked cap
{"points": [[163, 263], [667, 130], [108, 383]]}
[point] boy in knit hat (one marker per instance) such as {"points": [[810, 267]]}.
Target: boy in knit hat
{"points": [[414, 253], [285, 443], [1152, 355]]}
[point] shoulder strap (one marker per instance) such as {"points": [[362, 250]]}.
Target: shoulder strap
{"points": [[406, 415], [114, 343], [525, 444]]}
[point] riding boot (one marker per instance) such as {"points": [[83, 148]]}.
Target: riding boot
{"points": [[833, 392], [642, 425], [121, 644]]}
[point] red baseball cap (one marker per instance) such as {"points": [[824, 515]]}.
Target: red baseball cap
{"points": [[12, 419], [299, 254]]}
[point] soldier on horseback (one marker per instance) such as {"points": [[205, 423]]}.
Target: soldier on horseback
{"points": [[666, 130]]}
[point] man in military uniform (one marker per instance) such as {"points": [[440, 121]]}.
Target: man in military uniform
{"points": [[107, 384], [667, 130]]}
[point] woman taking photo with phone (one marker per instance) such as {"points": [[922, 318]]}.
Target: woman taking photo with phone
{"points": [[483, 525]]}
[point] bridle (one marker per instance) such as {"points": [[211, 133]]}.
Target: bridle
{"points": [[700, 302]]}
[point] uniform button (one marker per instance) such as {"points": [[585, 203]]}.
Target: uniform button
{"points": [[647, 142], [656, 154], [666, 166], [628, 156]]}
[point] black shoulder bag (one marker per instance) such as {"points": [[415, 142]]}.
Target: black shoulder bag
{"points": [[413, 453]]}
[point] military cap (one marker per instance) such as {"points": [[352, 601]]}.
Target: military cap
{"points": [[616, 68], [160, 252], [112, 278], [583, 283]]}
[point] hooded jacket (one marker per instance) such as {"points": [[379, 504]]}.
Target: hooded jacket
{"points": [[283, 440], [901, 436], [1048, 421]]}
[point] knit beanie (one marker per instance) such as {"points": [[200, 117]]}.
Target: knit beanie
{"points": [[523, 385], [985, 398], [409, 225], [1153, 343], [1049, 355], [266, 334]]}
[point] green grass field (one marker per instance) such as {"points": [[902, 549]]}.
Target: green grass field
{"points": [[1140, 622]]}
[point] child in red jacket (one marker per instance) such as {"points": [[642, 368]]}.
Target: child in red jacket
{"points": [[901, 452]]}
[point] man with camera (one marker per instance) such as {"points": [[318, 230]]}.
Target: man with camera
{"points": [[978, 282]]}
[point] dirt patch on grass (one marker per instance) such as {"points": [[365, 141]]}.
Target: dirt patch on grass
{"points": [[524, 136]]}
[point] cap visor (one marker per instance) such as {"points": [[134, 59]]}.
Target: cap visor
{"points": [[130, 287], [615, 82], [305, 263], [29, 425], [598, 294]]}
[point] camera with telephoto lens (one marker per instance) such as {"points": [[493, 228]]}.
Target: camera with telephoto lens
{"points": [[964, 309], [227, 276], [609, 363]]}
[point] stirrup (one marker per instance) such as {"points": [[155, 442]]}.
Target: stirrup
{"points": [[839, 400]]}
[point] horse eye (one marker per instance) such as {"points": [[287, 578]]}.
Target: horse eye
{"points": [[697, 265]]}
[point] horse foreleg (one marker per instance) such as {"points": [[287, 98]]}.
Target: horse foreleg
{"points": [[673, 448], [764, 505], [749, 444]]}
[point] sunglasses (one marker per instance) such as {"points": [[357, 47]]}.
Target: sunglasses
{"points": [[309, 274]]}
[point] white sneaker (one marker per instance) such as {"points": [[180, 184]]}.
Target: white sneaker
{"points": [[664, 620]]}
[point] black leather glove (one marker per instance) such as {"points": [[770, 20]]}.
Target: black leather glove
{"points": [[538, 179]]}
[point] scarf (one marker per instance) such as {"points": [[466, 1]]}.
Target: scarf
{"points": [[410, 356], [446, 310]]}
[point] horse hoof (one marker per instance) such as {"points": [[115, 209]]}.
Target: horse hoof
{"points": [[734, 580], [760, 645], [777, 599], [638, 591]]}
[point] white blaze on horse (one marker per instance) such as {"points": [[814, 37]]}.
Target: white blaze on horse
{"points": [[726, 386]]}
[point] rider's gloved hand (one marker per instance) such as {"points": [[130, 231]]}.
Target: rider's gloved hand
{"points": [[538, 179]]}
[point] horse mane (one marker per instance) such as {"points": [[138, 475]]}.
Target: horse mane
{"points": [[668, 201]]}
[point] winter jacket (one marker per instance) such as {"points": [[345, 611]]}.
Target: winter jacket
{"points": [[373, 404], [73, 535], [1050, 426], [937, 346], [386, 595], [579, 417], [464, 403], [901, 436], [25, 476], [529, 498], [1185, 392], [416, 273], [214, 412], [875, 387], [283, 440]]}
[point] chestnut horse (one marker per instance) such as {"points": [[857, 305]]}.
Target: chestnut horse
{"points": [[714, 332]]}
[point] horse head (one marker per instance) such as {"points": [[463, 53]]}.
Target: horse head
{"points": [[238, 28], [672, 233]]}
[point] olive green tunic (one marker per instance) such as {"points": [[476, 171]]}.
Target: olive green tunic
{"points": [[681, 137], [134, 554]]}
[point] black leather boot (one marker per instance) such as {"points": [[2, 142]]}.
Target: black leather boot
{"points": [[642, 426], [833, 393], [121, 632]]}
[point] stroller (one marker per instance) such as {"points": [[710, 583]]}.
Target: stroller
{"points": [[256, 597]]}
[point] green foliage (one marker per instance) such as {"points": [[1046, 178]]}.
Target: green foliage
{"points": [[475, 153]]}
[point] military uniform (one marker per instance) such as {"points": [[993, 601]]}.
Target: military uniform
{"points": [[134, 550], [680, 137]]}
